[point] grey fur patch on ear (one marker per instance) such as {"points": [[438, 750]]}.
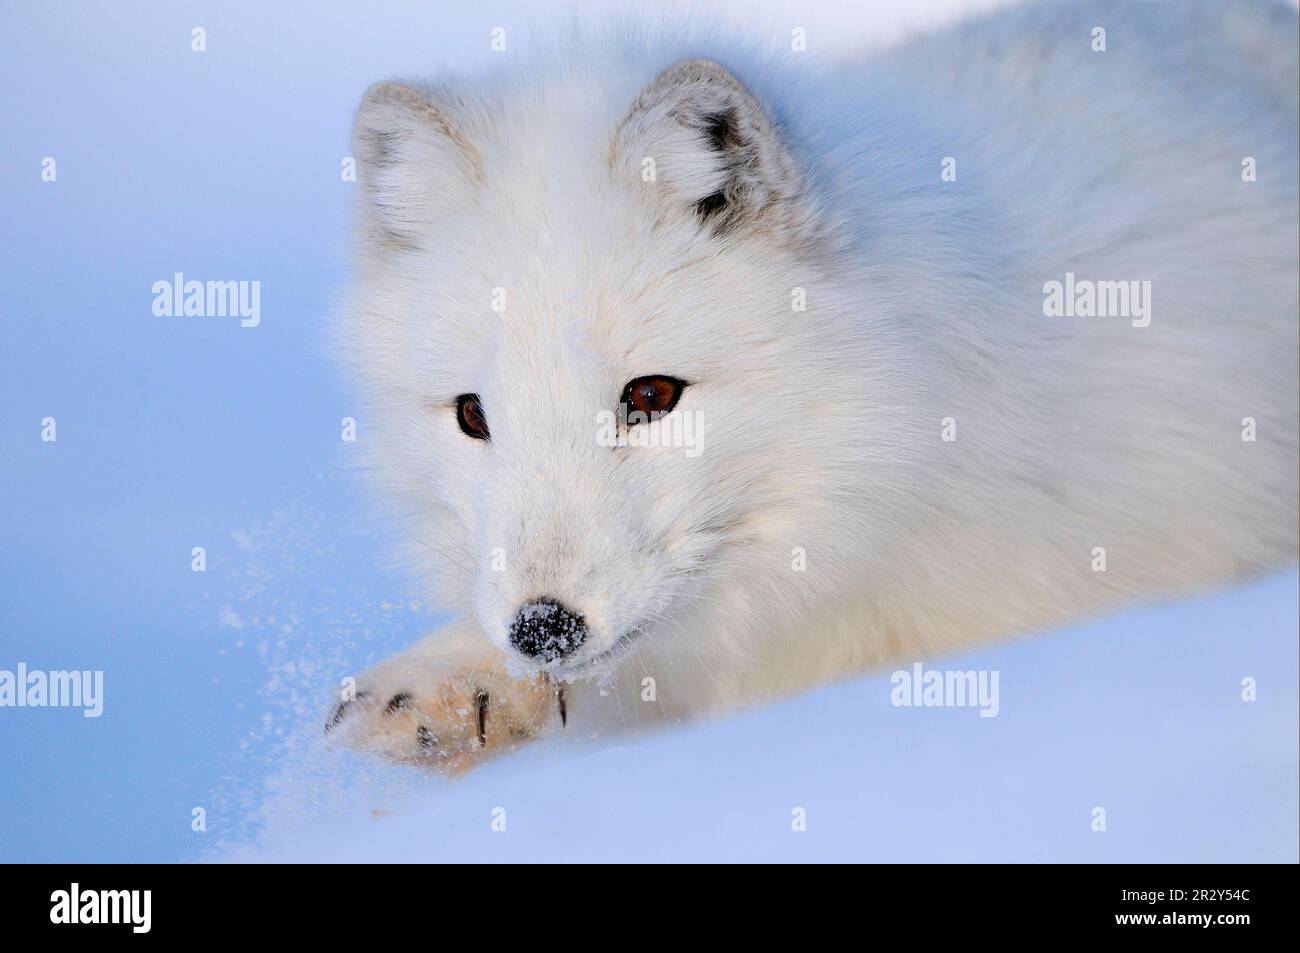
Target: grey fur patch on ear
{"points": [[716, 151], [412, 162]]}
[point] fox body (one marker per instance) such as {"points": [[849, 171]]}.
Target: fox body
{"points": [[974, 337]]}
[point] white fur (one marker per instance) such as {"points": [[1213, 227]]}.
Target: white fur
{"points": [[821, 428]]}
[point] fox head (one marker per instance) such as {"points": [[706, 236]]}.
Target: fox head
{"points": [[599, 323]]}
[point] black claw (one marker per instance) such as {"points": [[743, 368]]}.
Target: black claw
{"points": [[341, 709], [482, 718], [397, 703], [425, 737], [564, 710]]}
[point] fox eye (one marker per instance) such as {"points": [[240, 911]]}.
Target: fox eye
{"points": [[649, 398], [470, 416]]}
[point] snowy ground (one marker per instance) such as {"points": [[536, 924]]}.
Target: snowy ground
{"points": [[1141, 715], [174, 434]]}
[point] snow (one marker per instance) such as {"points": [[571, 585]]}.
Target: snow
{"points": [[1141, 715]]}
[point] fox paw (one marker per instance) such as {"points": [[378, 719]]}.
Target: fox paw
{"points": [[444, 716]]}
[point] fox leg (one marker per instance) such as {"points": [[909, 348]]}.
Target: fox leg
{"points": [[446, 703]]}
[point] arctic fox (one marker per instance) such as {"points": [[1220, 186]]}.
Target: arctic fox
{"points": [[705, 376]]}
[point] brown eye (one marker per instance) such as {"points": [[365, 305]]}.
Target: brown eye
{"points": [[470, 416], [649, 398]]}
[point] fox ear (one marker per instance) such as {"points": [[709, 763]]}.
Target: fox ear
{"points": [[412, 162], [710, 148]]}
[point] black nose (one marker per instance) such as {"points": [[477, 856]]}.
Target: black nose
{"points": [[546, 631]]}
